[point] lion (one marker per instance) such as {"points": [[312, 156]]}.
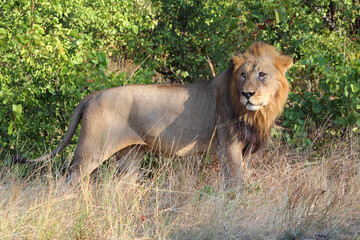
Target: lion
{"points": [[230, 115]]}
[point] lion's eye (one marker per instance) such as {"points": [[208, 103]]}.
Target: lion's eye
{"points": [[243, 75], [261, 74]]}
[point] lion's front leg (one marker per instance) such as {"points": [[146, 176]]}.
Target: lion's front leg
{"points": [[232, 165]]}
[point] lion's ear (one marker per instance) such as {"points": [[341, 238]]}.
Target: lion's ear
{"points": [[237, 61], [285, 62]]}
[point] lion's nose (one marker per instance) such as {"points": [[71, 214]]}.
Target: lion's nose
{"points": [[248, 94]]}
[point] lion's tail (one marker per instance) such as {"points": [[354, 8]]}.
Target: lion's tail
{"points": [[74, 122]]}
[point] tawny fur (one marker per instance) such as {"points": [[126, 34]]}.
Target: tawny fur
{"points": [[181, 120], [263, 119]]}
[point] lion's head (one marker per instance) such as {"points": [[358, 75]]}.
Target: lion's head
{"points": [[259, 88]]}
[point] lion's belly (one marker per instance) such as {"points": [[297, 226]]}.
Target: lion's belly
{"points": [[179, 122], [172, 147], [176, 136]]}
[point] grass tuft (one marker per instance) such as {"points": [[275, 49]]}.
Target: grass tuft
{"points": [[289, 194]]}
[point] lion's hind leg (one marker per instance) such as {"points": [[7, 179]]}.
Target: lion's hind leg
{"points": [[93, 149], [128, 162]]}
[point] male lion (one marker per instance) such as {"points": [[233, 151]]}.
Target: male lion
{"points": [[231, 115]]}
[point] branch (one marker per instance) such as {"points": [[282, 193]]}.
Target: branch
{"points": [[326, 19]]}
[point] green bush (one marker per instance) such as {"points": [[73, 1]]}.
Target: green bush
{"points": [[56, 52], [53, 54], [322, 36], [188, 34]]}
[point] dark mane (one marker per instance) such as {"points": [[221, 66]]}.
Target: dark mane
{"points": [[249, 135]]}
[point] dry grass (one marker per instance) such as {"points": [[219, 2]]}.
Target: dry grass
{"points": [[289, 195]]}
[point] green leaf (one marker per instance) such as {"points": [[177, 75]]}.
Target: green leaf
{"points": [[38, 19], [250, 25], [327, 70], [233, 26], [135, 29], [102, 57], [17, 108], [77, 59], [354, 88], [19, 38], [283, 14], [277, 19], [64, 57], [2, 32], [352, 118], [74, 33], [11, 128], [3, 43], [318, 108], [102, 74]]}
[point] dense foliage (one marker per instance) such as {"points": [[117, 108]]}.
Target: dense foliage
{"points": [[53, 53]]}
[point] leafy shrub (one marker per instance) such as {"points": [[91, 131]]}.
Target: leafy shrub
{"points": [[53, 54], [322, 36], [188, 34], [56, 52]]}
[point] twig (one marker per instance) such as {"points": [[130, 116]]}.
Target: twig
{"points": [[137, 68], [211, 66], [171, 72]]}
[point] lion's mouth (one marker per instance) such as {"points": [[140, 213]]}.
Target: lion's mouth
{"points": [[252, 107]]}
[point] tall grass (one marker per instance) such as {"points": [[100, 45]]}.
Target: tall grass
{"points": [[289, 194]]}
